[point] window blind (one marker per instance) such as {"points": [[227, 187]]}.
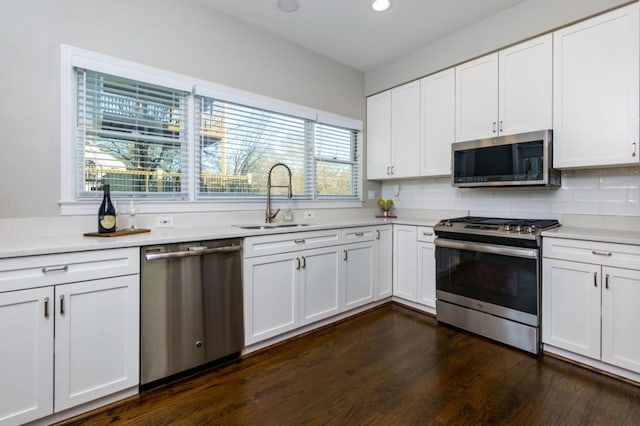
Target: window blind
{"points": [[238, 144], [336, 162], [131, 135]]}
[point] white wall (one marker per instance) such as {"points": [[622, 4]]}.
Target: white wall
{"points": [[182, 36], [525, 20], [614, 191]]}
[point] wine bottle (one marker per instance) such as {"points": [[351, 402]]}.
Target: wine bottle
{"points": [[107, 213]]}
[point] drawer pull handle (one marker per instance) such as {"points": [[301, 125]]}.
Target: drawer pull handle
{"points": [[606, 281], [62, 304], [300, 241], [48, 269], [359, 234], [427, 234], [595, 279], [46, 307], [601, 253]]}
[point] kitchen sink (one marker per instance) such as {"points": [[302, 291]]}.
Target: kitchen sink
{"points": [[273, 225]]}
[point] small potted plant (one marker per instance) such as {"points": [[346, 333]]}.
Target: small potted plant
{"points": [[386, 207]]}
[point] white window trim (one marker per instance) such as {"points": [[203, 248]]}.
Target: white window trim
{"points": [[75, 57]]}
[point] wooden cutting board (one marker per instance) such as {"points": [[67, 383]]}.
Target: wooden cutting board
{"points": [[120, 233]]}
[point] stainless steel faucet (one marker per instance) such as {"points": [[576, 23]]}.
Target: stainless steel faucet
{"points": [[268, 215]]}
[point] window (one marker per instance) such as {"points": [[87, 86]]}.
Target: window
{"points": [[157, 135], [130, 135]]}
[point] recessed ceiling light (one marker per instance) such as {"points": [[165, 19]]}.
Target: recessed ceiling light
{"points": [[288, 5], [380, 5]]}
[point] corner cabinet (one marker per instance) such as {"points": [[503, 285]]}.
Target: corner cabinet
{"points": [[414, 266], [393, 133], [591, 302], [90, 302], [506, 92], [596, 92]]}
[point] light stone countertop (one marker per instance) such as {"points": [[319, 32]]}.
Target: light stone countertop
{"points": [[595, 234], [31, 245]]}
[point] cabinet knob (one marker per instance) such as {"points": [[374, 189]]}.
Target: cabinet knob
{"points": [[495, 130]]}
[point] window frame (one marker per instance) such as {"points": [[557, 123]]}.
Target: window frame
{"points": [[72, 57]]}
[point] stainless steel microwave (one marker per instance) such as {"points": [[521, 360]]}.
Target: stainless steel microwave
{"points": [[524, 159]]}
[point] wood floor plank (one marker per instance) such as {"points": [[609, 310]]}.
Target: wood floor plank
{"points": [[388, 366]]}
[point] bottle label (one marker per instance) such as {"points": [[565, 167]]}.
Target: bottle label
{"points": [[108, 222]]}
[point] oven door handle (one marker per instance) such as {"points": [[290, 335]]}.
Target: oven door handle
{"points": [[488, 248]]}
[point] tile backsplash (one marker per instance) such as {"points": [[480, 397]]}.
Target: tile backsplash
{"points": [[614, 191]]}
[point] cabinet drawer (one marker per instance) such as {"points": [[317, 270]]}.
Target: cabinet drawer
{"points": [[51, 269], [356, 235], [608, 254], [283, 243], [426, 234]]}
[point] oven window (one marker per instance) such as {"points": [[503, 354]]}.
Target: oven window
{"points": [[506, 281]]}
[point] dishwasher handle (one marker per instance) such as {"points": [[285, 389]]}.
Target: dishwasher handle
{"points": [[193, 251]]}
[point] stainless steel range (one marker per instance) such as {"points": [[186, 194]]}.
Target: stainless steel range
{"points": [[488, 277]]}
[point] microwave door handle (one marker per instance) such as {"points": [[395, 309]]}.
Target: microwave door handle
{"points": [[488, 248]]}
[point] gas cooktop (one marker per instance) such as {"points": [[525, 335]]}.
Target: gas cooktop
{"points": [[503, 227]]}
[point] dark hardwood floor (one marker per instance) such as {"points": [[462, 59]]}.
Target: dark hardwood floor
{"points": [[390, 366]]}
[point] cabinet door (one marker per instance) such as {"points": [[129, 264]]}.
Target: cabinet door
{"points": [[383, 276], [427, 274], [97, 339], [270, 296], [379, 135], [320, 286], [525, 93], [358, 274], [620, 317], [595, 83], [405, 128], [438, 122], [477, 98], [26, 355], [571, 306], [405, 262]]}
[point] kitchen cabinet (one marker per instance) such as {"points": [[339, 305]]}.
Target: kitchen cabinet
{"points": [[595, 100], [405, 261], [414, 264], [383, 262], [290, 280], [26, 345], [437, 122], [393, 133], [590, 300], [90, 302], [358, 266], [506, 92]]}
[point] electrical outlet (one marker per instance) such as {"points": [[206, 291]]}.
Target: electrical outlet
{"points": [[164, 222], [308, 215]]}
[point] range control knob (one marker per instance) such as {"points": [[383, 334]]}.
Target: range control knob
{"points": [[518, 228], [531, 229], [507, 227], [448, 223]]}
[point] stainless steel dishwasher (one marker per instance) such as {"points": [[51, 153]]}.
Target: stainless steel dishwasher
{"points": [[191, 307]]}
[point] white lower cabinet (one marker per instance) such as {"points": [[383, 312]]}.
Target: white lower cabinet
{"points": [[320, 284], [414, 264], [95, 323], [591, 305], [26, 348], [358, 274], [383, 262]]}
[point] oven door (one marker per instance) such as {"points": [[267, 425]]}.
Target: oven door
{"points": [[499, 280]]}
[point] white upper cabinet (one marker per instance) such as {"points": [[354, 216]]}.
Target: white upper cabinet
{"points": [[393, 133], [525, 87], [437, 122], [595, 101], [477, 98], [379, 135], [506, 92]]}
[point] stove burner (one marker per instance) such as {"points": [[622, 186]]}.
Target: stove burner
{"points": [[497, 226]]}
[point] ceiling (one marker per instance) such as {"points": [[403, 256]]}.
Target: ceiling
{"points": [[350, 32]]}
